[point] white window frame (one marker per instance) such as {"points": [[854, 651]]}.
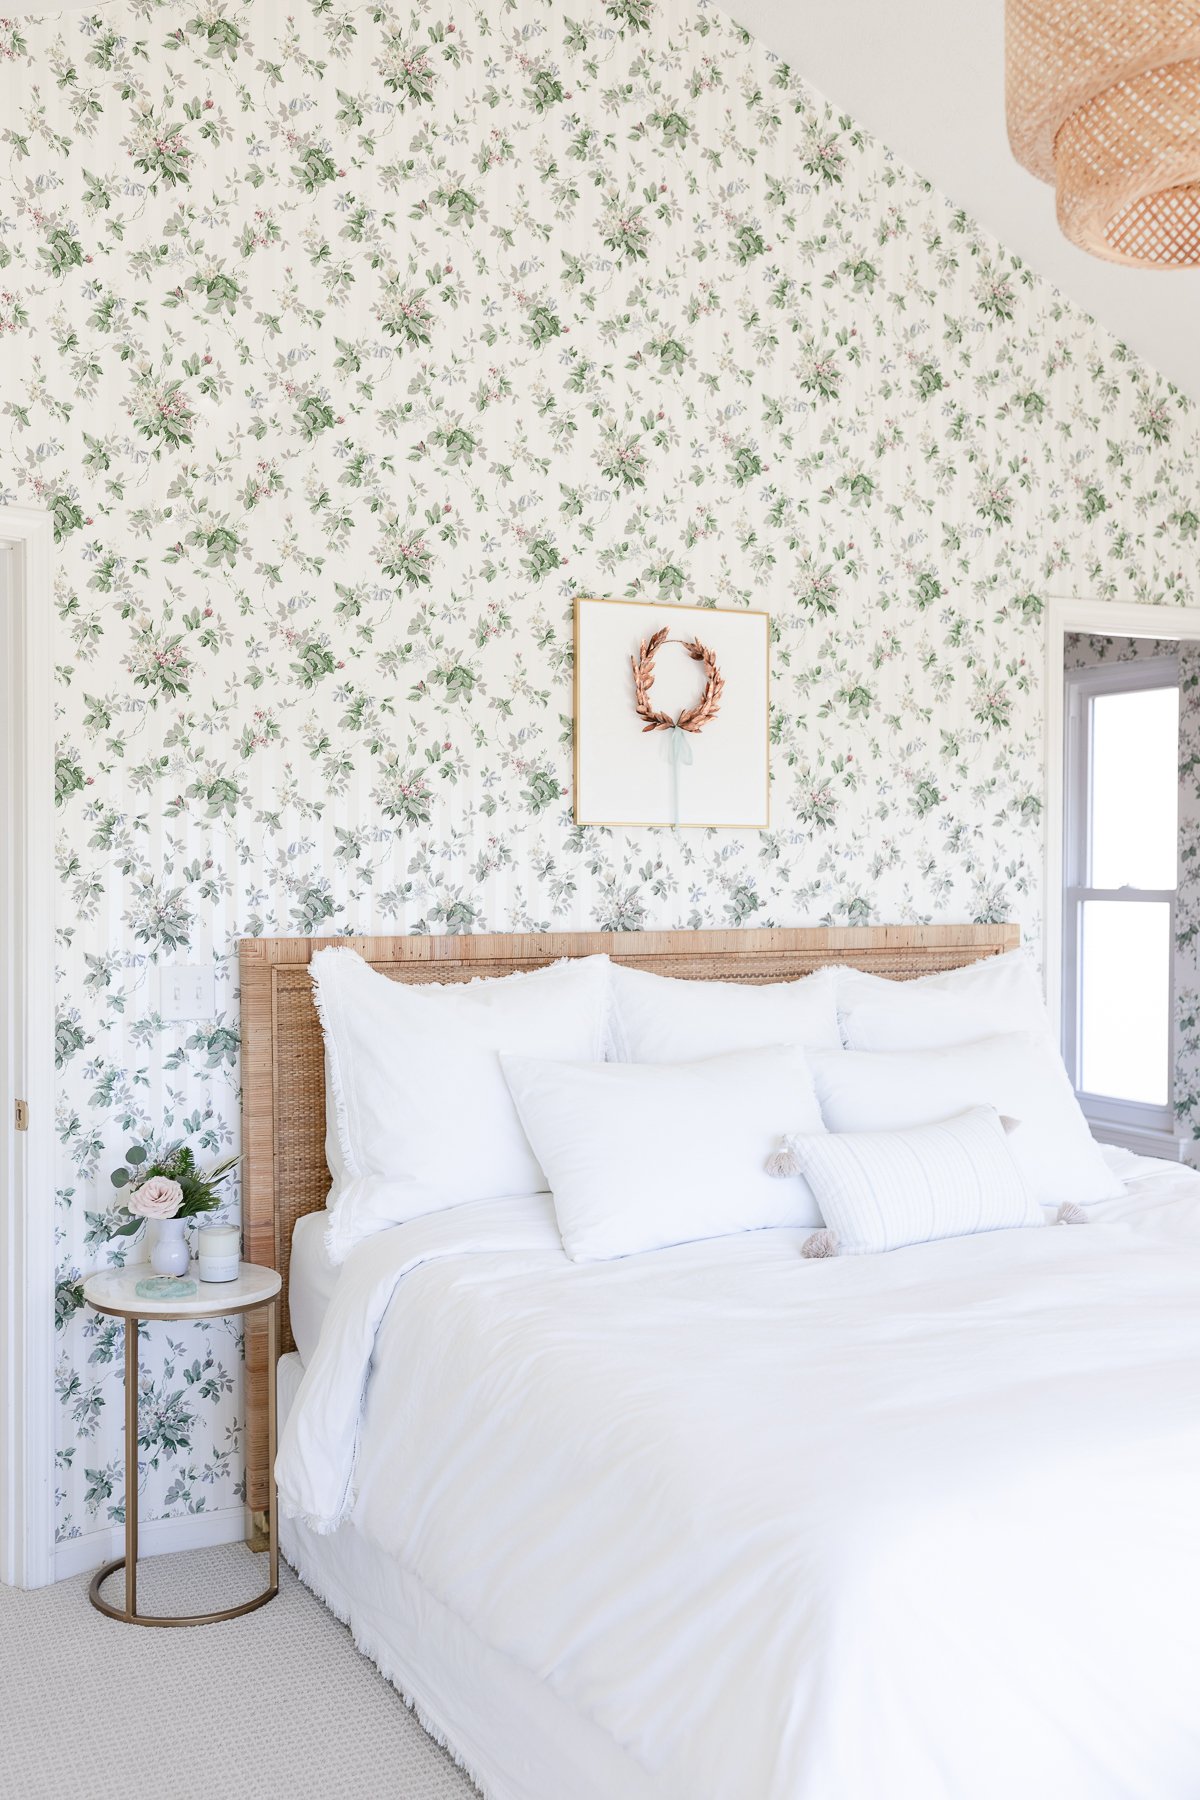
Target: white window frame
{"points": [[1137, 1124]]}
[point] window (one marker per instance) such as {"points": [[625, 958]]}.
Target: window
{"points": [[1122, 809]]}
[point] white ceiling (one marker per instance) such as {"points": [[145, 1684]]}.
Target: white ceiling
{"points": [[926, 77]]}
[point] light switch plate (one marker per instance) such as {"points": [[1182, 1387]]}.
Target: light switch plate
{"points": [[187, 992]]}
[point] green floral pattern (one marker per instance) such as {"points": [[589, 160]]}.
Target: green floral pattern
{"points": [[345, 346]]}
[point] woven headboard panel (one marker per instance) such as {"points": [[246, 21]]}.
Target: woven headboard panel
{"points": [[283, 1072]]}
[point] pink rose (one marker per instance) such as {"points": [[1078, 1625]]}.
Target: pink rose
{"points": [[157, 1198]]}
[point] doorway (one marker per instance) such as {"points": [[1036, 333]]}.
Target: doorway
{"points": [[26, 1050]]}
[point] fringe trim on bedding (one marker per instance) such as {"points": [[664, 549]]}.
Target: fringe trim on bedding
{"points": [[325, 1527], [821, 1243], [607, 1039], [311, 1522], [334, 1086], [1070, 1214], [427, 1724]]}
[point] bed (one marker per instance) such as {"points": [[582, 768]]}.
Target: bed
{"points": [[718, 1521]]}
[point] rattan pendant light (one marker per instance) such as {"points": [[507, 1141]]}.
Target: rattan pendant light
{"points": [[1103, 100]]}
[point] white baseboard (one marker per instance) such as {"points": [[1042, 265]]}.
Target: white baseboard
{"points": [[156, 1537]]}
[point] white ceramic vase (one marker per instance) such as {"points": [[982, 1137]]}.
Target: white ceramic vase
{"points": [[169, 1255]]}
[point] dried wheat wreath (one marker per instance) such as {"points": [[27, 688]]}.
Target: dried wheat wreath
{"points": [[691, 718]]}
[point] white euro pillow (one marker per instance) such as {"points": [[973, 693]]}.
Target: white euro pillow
{"points": [[881, 1190], [419, 1114], [663, 1018], [1021, 1075], [999, 995], [642, 1155]]}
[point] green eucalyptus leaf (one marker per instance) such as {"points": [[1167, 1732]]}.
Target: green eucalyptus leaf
{"points": [[135, 1154], [120, 1178]]}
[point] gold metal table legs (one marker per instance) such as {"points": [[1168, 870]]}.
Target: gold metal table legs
{"points": [[129, 1614]]}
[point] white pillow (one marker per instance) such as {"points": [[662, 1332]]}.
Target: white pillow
{"points": [[1021, 1075], [879, 1190], [640, 1155], [420, 1114], [662, 1018], [985, 999]]}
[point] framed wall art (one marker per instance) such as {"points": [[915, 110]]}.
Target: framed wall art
{"points": [[671, 715]]}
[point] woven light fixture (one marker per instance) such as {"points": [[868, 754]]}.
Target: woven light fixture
{"points": [[1103, 100]]}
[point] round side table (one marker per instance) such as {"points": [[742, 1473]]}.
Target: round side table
{"points": [[114, 1291]]}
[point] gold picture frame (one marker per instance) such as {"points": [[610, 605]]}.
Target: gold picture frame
{"points": [[589, 722]]}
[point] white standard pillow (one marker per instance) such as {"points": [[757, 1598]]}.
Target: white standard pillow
{"points": [[1021, 1075], [985, 999], [641, 1155], [880, 1190], [662, 1018], [420, 1113]]}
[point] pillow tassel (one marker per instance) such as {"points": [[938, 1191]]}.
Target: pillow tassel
{"points": [[1070, 1214], [784, 1160], [821, 1243]]}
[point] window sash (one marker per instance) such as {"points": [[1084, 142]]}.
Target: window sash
{"points": [[1109, 1109]]}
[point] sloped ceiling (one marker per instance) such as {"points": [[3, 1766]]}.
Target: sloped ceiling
{"points": [[926, 77]]}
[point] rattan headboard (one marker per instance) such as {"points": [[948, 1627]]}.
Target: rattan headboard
{"points": [[283, 1073]]}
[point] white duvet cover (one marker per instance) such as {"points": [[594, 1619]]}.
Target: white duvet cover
{"points": [[916, 1526]]}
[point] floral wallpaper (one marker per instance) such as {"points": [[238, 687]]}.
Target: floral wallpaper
{"points": [[1084, 651], [346, 344]]}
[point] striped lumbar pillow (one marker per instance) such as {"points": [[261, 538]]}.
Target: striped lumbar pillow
{"points": [[880, 1190]]}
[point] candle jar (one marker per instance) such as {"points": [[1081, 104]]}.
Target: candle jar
{"points": [[218, 1251]]}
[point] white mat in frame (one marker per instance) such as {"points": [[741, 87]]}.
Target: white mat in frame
{"points": [[626, 775]]}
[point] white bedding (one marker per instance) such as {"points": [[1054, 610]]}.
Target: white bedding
{"points": [[312, 1277], [508, 1729], [921, 1524]]}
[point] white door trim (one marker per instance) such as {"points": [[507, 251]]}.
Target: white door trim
{"points": [[27, 1052], [1104, 618]]}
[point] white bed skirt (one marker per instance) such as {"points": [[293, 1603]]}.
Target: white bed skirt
{"points": [[510, 1732]]}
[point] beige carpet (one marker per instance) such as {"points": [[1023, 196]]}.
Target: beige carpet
{"points": [[278, 1705]]}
